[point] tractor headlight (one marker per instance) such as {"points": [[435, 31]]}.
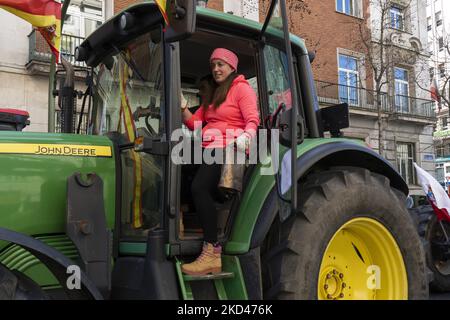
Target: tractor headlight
{"points": [[126, 21]]}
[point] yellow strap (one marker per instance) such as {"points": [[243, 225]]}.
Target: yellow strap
{"points": [[125, 110]]}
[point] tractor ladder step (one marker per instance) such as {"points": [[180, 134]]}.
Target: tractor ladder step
{"points": [[228, 284], [216, 276]]}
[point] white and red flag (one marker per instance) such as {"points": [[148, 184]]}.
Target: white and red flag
{"points": [[436, 194], [434, 90]]}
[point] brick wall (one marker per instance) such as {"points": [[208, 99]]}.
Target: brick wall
{"points": [[324, 30], [122, 4], [41, 45], [215, 4]]}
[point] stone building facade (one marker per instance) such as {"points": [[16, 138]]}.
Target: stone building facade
{"points": [[25, 57]]}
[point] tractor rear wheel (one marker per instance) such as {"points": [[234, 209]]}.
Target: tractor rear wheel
{"points": [[353, 238], [437, 247]]}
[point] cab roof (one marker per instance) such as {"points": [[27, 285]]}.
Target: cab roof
{"points": [[108, 37]]}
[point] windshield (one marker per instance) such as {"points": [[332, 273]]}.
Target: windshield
{"points": [[129, 100], [129, 90]]}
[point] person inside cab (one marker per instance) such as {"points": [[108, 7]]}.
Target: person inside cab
{"points": [[228, 103]]}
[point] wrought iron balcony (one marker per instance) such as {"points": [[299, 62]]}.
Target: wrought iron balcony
{"points": [[364, 99], [413, 106], [40, 51]]}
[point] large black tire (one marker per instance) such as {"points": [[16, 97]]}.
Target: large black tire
{"points": [[293, 250], [430, 231], [17, 286]]}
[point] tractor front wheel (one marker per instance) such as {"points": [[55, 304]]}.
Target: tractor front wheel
{"points": [[17, 286], [353, 238]]}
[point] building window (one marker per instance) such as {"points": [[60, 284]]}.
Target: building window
{"points": [[444, 123], [438, 18], [350, 7], [441, 68], [405, 160], [80, 21], [431, 71], [441, 43], [429, 23], [345, 6], [440, 174], [397, 18], [348, 80], [401, 90], [439, 152]]}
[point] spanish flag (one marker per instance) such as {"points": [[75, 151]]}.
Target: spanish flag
{"points": [[44, 15], [162, 5]]}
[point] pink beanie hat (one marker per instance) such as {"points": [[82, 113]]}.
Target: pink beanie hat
{"points": [[225, 55]]}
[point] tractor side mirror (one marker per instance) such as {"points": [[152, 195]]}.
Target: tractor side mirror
{"points": [[182, 19], [284, 125], [335, 118]]}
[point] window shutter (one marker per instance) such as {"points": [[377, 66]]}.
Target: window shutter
{"points": [[358, 8], [407, 19]]}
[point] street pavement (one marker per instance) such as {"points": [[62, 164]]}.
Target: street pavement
{"points": [[439, 296]]}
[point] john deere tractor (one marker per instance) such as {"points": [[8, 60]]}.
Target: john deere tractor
{"points": [[108, 215]]}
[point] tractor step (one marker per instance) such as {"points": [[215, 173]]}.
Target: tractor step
{"points": [[228, 284], [216, 276]]}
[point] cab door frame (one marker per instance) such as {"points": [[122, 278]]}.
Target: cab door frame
{"points": [[293, 90]]}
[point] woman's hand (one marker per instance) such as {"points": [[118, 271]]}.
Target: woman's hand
{"points": [[243, 142], [185, 113], [184, 102]]}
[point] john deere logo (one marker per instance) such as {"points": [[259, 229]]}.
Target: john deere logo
{"points": [[67, 151], [56, 149]]}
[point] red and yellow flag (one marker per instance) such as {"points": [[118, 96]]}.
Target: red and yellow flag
{"points": [[44, 15], [162, 5]]}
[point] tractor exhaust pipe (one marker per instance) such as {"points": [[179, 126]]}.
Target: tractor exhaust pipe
{"points": [[67, 98]]}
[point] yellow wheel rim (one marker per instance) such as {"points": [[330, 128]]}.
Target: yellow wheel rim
{"points": [[362, 261]]}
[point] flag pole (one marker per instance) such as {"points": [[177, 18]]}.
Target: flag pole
{"points": [[52, 75]]}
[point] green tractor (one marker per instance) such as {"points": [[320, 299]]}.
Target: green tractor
{"points": [[108, 215]]}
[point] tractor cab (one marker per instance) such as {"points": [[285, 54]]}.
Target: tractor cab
{"points": [[140, 67], [138, 76]]}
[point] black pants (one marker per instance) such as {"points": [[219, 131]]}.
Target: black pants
{"points": [[204, 190]]}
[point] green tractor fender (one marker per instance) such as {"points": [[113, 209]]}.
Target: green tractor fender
{"points": [[260, 206], [55, 261]]}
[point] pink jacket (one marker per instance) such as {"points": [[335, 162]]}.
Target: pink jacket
{"points": [[238, 111]]}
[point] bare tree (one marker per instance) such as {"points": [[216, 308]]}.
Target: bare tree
{"points": [[378, 41], [295, 8], [442, 61]]}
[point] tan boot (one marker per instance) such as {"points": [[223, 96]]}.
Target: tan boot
{"points": [[209, 261]]}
